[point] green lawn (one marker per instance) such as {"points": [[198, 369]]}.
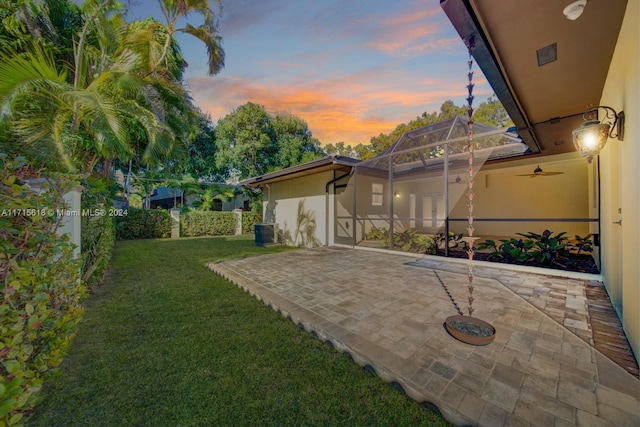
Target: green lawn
{"points": [[166, 342]]}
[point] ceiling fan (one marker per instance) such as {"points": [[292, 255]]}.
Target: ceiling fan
{"points": [[539, 172]]}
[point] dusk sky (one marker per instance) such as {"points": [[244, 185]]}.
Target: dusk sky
{"points": [[350, 69]]}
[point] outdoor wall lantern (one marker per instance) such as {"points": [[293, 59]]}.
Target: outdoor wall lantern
{"points": [[591, 137]]}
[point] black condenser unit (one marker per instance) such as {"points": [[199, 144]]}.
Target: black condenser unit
{"points": [[266, 234]]}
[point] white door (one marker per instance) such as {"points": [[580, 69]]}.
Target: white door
{"points": [[433, 214]]}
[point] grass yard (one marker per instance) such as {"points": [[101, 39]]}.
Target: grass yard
{"points": [[166, 342]]}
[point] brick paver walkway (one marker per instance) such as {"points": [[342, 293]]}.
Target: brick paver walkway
{"points": [[582, 306], [388, 316]]}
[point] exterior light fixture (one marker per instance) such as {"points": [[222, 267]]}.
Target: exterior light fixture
{"points": [[396, 194], [591, 137], [575, 9]]}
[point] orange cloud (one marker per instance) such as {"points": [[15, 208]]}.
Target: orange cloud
{"points": [[411, 33], [347, 109]]}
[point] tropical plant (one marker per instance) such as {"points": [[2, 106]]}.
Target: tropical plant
{"points": [[176, 11], [510, 250], [543, 249], [117, 96], [515, 250], [582, 244], [452, 240], [78, 111], [215, 192], [144, 183], [548, 248], [411, 240], [376, 233], [491, 246]]}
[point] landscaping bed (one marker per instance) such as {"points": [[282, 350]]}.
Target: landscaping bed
{"points": [[578, 263]]}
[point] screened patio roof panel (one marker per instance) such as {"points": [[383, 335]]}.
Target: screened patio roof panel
{"points": [[423, 148]]}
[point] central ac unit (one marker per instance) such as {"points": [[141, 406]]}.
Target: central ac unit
{"points": [[266, 234]]}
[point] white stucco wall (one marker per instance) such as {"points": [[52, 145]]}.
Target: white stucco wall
{"points": [[620, 178], [300, 207]]}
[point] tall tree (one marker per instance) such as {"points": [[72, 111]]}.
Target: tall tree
{"points": [[295, 143], [245, 140], [251, 142], [340, 148], [203, 151], [492, 113], [175, 11], [117, 94]]}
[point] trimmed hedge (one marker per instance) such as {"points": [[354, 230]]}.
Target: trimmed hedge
{"points": [[42, 291], [207, 223], [249, 220], [143, 224], [98, 237]]}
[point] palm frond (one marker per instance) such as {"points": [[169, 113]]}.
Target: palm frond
{"points": [[31, 71], [213, 43]]}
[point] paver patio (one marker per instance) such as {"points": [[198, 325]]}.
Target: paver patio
{"points": [[386, 311]]}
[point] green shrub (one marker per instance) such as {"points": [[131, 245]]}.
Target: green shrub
{"points": [[98, 235], [143, 224], [409, 240], [547, 247], [207, 223], [582, 244], [376, 233], [42, 290], [249, 221]]}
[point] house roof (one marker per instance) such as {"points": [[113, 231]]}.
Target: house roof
{"points": [[327, 163], [162, 193], [545, 101]]}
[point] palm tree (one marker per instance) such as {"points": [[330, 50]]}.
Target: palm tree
{"points": [[111, 100], [82, 110], [213, 193], [84, 124], [144, 183], [207, 33]]}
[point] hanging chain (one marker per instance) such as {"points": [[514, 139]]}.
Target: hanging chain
{"points": [[470, 46]]}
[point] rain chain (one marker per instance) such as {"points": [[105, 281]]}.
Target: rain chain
{"points": [[470, 46]]}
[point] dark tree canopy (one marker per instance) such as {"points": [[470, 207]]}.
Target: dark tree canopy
{"points": [[252, 142]]}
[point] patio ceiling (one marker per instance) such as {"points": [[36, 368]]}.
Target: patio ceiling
{"points": [[508, 34]]}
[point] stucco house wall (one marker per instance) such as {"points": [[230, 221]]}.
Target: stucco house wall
{"points": [[300, 207], [619, 180], [502, 194]]}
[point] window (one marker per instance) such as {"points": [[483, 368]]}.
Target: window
{"points": [[376, 194]]}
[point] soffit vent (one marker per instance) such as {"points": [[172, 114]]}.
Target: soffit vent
{"points": [[547, 54]]}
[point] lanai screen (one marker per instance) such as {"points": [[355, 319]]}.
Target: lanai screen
{"points": [[418, 186]]}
